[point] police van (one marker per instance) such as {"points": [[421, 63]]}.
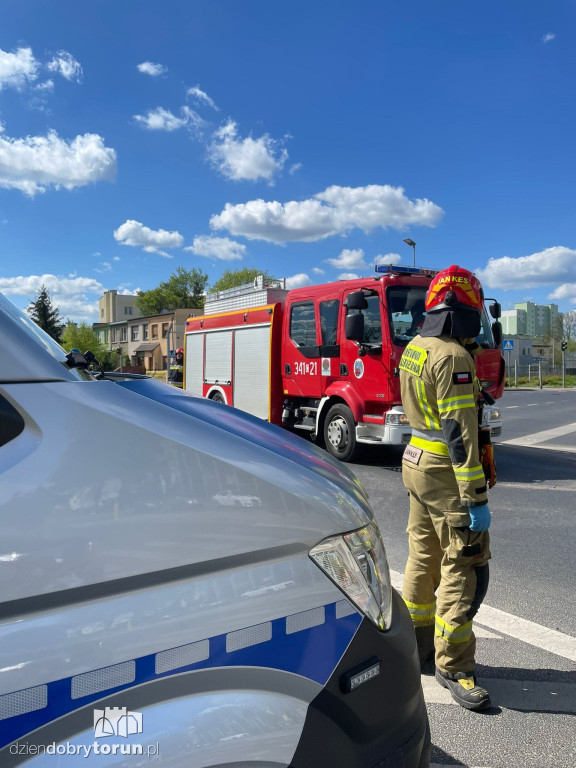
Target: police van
{"points": [[185, 585]]}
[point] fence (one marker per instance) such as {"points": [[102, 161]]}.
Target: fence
{"points": [[534, 372]]}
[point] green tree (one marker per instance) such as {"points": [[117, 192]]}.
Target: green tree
{"points": [[183, 289], [83, 338], [45, 315], [231, 278]]}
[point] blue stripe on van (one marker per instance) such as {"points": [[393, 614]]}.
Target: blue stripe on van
{"points": [[313, 652]]}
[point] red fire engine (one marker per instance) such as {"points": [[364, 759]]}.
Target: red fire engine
{"points": [[322, 359]]}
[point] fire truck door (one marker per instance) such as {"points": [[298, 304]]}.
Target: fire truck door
{"points": [[301, 359], [362, 363]]}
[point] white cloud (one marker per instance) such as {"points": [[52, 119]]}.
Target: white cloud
{"points": [[245, 159], [293, 168], [348, 276], [548, 267], [17, 68], [47, 85], [152, 241], [335, 211], [318, 271], [154, 70], [116, 258], [348, 259], [566, 292], [388, 258], [75, 297], [548, 37], [66, 65], [37, 162], [201, 96], [106, 267], [217, 248], [161, 119], [298, 281]]}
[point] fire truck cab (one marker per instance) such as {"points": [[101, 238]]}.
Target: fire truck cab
{"points": [[322, 359]]}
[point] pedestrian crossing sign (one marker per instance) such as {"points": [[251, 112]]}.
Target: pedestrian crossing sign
{"points": [[508, 345]]}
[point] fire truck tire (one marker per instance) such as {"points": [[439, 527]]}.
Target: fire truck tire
{"points": [[340, 432], [217, 397]]}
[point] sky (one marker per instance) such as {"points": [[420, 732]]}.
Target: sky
{"points": [[305, 139]]}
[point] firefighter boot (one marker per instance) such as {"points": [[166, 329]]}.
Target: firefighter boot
{"points": [[462, 686], [425, 642]]}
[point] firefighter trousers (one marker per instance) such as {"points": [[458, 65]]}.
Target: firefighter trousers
{"points": [[446, 576]]}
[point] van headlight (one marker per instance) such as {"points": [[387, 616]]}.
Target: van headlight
{"points": [[356, 562]]}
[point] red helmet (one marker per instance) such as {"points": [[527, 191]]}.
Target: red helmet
{"points": [[454, 288], [179, 351]]}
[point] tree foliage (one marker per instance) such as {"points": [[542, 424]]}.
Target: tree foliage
{"points": [[83, 338], [184, 289], [232, 278], [569, 327], [45, 315]]}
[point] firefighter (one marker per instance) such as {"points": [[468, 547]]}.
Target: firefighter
{"points": [[446, 575], [176, 373]]}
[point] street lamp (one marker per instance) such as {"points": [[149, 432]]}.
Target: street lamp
{"points": [[413, 245]]}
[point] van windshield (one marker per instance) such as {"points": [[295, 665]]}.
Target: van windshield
{"points": [[406, 313], [40, 337]]}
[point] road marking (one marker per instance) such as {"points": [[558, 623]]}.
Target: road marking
{"points": [[521, 629], [521, 695], [531, 405], [512, 406], [540, 437]]}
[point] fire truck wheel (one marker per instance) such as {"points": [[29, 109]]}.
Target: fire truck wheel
{"points": [[217, 397], [340, 432]]}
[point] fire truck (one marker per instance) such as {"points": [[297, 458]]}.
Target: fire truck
{"points": [[323, 360]]}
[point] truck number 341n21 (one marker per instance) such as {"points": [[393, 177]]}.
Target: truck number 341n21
{"points": [[306, 368]]}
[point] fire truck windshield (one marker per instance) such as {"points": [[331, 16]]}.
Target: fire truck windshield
{"points": [[406, 312]]}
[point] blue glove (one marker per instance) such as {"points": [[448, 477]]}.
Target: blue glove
{"points": [[480, 517]]}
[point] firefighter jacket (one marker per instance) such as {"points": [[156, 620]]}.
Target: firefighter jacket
{"points": [[440, 397], [176, 374]]}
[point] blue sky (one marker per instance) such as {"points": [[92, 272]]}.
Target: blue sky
{"points": [[307, 139]]}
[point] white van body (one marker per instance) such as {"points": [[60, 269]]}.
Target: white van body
{"points": [[159, 603]]}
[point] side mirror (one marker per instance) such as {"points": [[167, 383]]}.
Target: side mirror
{"points": [[497, 333], [355, 327], [356, 300], [495, 310]]}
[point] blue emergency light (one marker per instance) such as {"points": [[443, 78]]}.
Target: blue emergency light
{"points": [[392, 269]]}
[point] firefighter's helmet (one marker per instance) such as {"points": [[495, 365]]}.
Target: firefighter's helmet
{"points": [[453, 289], [179, 351]]}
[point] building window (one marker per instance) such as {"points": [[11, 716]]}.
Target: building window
{"points": [[102, 313], [165, 327], [114, 335], [127, 310], [134, 335], [145, 332], [155, 331], [124, 334], [106, 336]]}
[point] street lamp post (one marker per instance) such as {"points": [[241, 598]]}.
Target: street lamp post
{"points": [[410, 242]]}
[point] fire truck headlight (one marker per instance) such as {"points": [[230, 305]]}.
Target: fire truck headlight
{"points": [[356, 562], [394, 419], [494, 414]]}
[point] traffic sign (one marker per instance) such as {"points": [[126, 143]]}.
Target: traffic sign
{"points": [[508, 345]]}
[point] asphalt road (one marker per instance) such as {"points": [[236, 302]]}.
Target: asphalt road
{"points": [[526, 630]]}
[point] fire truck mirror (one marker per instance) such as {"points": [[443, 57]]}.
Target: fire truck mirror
{"points": [[495, 310], [497, 333], [356, 300], [355, 328]]}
